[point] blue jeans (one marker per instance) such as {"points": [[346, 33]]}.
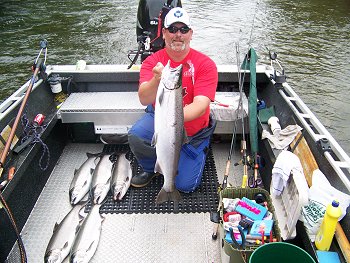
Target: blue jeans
{"points": [[192, 155]]}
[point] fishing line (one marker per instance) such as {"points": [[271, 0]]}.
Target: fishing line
{"points": [[251, 30], [240, 108], [13, 222]]}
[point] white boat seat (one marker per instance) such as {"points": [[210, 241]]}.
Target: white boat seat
{"points": [[116, 112]]}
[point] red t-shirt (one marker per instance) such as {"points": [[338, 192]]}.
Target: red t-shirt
{"points": [[199, 77]]}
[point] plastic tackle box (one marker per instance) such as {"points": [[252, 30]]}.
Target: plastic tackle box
{"points": [[289, 204]]}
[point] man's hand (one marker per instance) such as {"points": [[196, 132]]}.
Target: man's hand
{"points": [[148, 89], [157, 71]]}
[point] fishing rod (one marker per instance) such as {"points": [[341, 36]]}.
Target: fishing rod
{"points": [[245, 161], [228, 162], [240, 110], [215, 216], [250, 60], [38, 66]]}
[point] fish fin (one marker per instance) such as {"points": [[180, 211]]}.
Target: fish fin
{"points": [[91, 246], [97, 201], [114, 167], [160, 97], [85, 198], [112, 186], [164, 196], [82, 214], [91, 192], [97, 159], [90, 155], [154, 139], [77, 229], [55, 227], [103, 217], [158, 168], [65, 245], [111, 157]]}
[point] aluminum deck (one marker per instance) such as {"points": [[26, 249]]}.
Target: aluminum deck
{"points": [[127, 237]]}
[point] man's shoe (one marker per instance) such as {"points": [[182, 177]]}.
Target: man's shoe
{"points": [[142, 179]]}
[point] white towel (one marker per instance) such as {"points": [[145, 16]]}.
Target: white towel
{"points": [[285, 163], [282, 140]]}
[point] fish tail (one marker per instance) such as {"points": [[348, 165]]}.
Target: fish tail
{"points": [[164, 196]]}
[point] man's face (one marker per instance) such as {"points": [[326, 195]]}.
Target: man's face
{"points": [[177, 37]]}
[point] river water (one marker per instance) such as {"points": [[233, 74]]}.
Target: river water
{"points": [[311, 39]]}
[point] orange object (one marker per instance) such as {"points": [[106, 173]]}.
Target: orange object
{"points": [[11, 173]]}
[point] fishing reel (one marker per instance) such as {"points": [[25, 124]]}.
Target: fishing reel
{"points": [[252, 164], [246, 161], [39, 63]]}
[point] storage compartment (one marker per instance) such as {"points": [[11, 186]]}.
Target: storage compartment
{"points": [[242, 254]]}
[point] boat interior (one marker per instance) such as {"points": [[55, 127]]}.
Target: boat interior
{"points": [[92, 114]]}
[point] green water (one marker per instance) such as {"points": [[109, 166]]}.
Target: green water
{"points": [[310, 37]]}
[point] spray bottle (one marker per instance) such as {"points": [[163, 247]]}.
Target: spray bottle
{"points": [[326, 232]]}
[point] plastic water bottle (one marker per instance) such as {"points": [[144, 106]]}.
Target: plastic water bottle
{"points": [[326, 232]]}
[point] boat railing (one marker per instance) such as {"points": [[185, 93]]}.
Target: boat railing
{"points": [[16, 98], [317, 131]]}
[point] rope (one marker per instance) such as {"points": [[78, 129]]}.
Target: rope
{"points": [[35, 132]]}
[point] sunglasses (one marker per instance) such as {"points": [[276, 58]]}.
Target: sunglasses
{"points": [[174, 29]]}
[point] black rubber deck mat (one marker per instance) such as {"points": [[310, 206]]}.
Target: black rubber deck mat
{"points": [[142, 200]]}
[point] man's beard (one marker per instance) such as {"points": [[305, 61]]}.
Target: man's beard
{"points": [[175, 47]]}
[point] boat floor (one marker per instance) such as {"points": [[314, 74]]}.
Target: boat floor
{"points": [[127, 237]]}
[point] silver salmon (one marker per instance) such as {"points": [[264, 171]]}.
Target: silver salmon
{"points": [[121, 177], [169, 132], [87, 237], [63, 235], [82, 179], [101, 179]]}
